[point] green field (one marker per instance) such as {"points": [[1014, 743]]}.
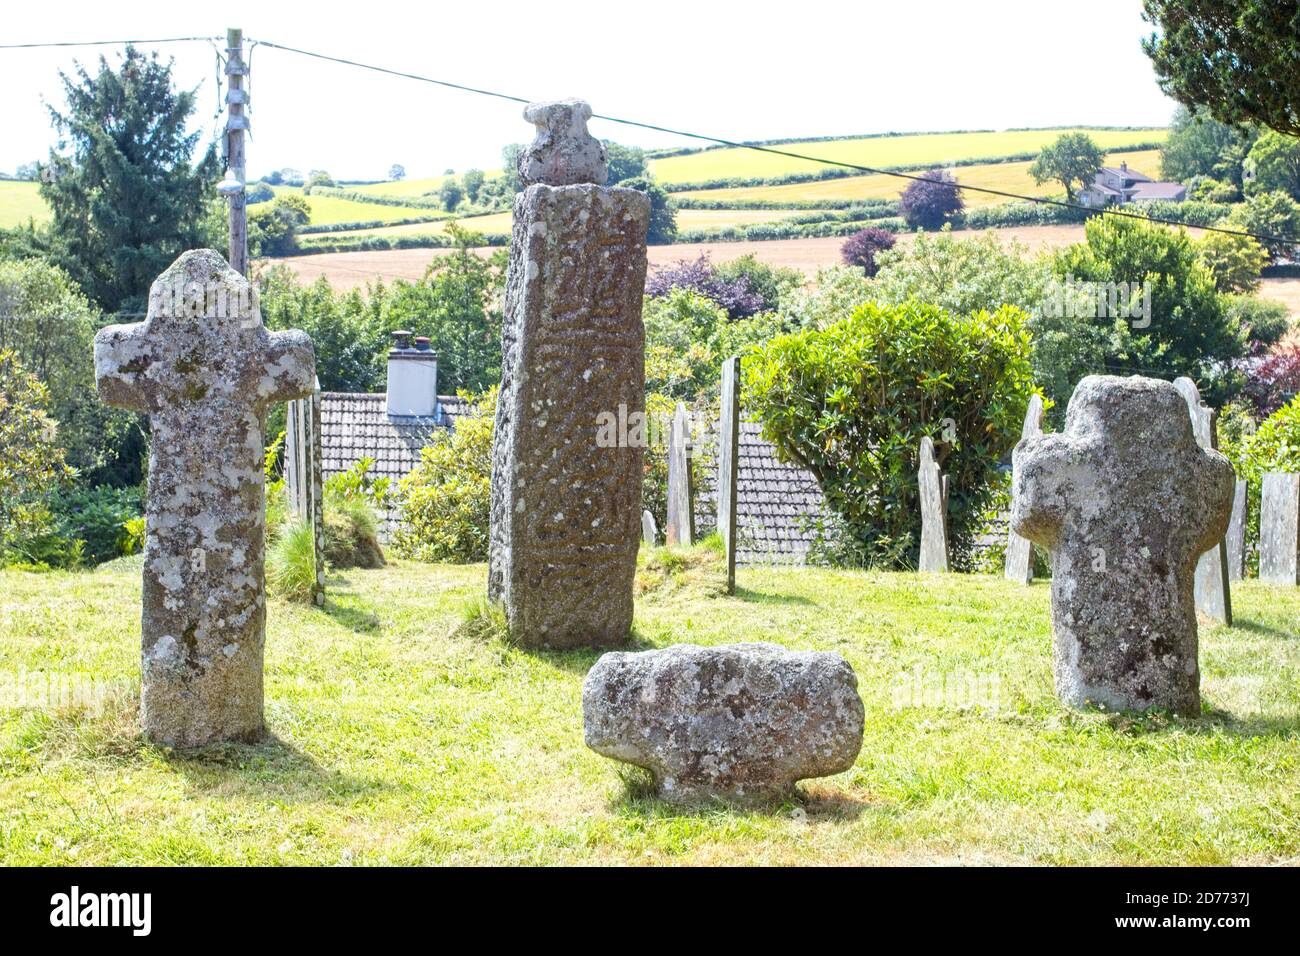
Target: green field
{"points": [[326, 210], [408, 188], [936, 148], [19, 202], [1009, 177], [397, 738]]}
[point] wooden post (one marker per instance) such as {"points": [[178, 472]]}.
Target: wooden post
{"points": [[728, 463], [236, 124]]}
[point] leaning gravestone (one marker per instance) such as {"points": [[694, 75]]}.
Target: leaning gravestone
{"points": [[934, 523], [204, 369], [649, 531], [1236, 541], [565, 511], [1020, 552], [1126, 501], [1212, 593], [1279, 528], [737, 722], [681, 501]]}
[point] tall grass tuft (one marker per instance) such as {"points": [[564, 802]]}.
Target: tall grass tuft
{"points": [[291, 563]]}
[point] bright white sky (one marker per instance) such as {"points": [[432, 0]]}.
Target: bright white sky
{"points": [[730, 69]]}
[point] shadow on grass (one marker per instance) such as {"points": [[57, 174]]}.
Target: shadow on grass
{"points": [[1267, 630], [269, 769], [767, 597], [580, 660], [1211, 721], [347, 607], [819, 801]]}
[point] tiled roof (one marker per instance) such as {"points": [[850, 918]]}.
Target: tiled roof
{"points": [[1152, 190], [356, 426], [1131, 175]]}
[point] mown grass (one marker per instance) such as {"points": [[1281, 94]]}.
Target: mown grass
{"points": [[1008, 177], [404, 729], [937, 148], [19, 202]]}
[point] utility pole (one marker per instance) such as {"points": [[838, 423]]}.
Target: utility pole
{"points": [[233, 186]]}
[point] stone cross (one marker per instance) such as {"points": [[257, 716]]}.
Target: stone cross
{"points": [[681, 497], [1126, 501], [1236, 540], [1020, 551], [934, 501], [728, 463], [649, 530], [565, 506], [1213, 596], [1279, 528], [204, 369]]}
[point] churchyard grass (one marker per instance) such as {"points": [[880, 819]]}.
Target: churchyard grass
{"points": [[399, 735]]}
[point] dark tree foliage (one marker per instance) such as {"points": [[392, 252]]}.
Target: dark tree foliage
{"points": [[126, 199], [861, 249], [928, 203], [663, 211], [1236, 58], [1199, 145], [1272, 379], [625, 162], [736, 296]]}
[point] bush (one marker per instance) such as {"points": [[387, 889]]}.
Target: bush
{"points": [[736, 295], [1270, 214], [1233, 261], [351, 534], [861, 249], [291, 563], [1273, 446], [97, 517], [1273, 378], [1265, 321], [446, 499], [851, 402], [928, 203]]}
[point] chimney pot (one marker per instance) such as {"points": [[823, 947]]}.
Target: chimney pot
{"points": [[401, 339], [422, 343], [412, 377]]}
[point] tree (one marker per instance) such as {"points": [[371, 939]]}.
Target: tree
{"points": [[1234, 261], [127, 199], [450, 194], [1237, 58], [273, 229], [1270, 214], [396, 172], [625, 162], [1071, 161], [319, 177], [928, 203], [275, 178], [1199, 145], [862, 248], [1276, 162], [472, 182], [31, 462], [663, 211]]}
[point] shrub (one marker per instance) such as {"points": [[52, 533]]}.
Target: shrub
{"points": [[1270, 214], [1265, 321], [861, 249], [1233, 261], [351, 533], [1273, 378], [1273, 446], [836, 292], [851, 402], [772, 284], [735, 295], [291, 563], [97, 517], [446, 499], [928, 203], [663, 211]]}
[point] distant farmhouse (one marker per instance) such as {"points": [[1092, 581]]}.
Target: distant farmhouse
{"points": [[1113, 186]]}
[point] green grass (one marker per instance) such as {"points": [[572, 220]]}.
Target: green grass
{"points": [[20, 201], [405, 730], [937, 148], [326, 210], [1008, 177]]}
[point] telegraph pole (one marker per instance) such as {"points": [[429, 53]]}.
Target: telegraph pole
{"points": [[236, 123]]}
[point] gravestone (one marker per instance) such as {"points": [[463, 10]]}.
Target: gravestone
{"points": [[1279, 528], [1211, 590], [934, 523], [1126, 501], [303, 474], [681, 498], [565, 510], [728, 463], [1236, 540], [649, 531], [1020, 552], [204, 369]]}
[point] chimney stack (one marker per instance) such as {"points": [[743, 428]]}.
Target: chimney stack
{"points": [[412, 378]]}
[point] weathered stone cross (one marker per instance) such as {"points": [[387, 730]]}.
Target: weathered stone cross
{"points": [[204, 369], [1126, 501]]}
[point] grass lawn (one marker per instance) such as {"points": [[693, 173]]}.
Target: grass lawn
{"points": [[937, 148], [20, 201], [1009, 177], [397, 738]]}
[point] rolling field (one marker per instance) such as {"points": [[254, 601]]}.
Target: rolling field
{"points": [[19, 201], [326, 210], [1011, 177], [937, 148], [408, 188]]}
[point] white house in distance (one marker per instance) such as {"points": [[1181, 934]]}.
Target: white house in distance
{"points": [[1117, 185]]}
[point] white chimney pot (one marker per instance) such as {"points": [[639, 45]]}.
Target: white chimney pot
{"points": [[412, 379]]}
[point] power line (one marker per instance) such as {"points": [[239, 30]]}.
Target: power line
{"points": [[41, 46], [787, 153]]}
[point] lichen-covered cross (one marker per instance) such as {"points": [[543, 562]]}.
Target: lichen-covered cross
{"points": [[1126, 501], [204, 369]]}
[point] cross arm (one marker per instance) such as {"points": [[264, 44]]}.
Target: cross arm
{"points": [[1043, 471], [289, 370], [122, 360]]}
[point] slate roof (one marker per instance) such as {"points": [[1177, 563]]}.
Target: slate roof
{"points": [[1153, 190], [357, 425]]}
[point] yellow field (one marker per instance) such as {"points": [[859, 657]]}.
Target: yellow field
{"points": [[500, 223], [19, 202], [331, 209], [937, 148], [1011, 177], [408, 188]]}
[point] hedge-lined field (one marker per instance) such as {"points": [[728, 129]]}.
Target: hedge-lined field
{"points": [[409, 188], [331, 209], [19, 201], [1011, 177], [880, 151]]}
